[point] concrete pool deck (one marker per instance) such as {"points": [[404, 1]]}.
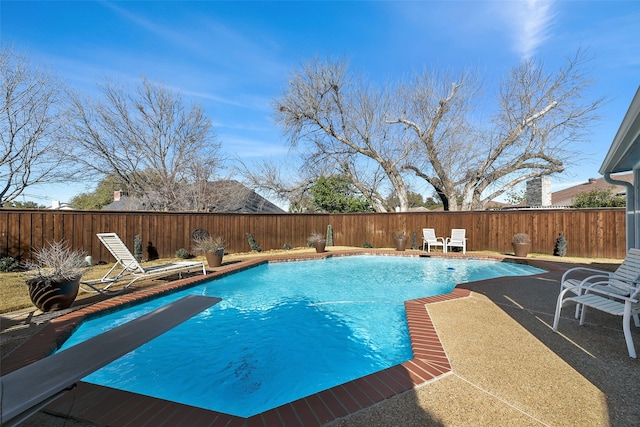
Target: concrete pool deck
{"points": [[506, 367]]}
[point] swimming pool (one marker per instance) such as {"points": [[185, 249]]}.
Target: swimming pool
{"points": [[285, 330]]}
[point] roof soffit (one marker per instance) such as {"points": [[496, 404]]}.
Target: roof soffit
{"points": [[624, 154]]}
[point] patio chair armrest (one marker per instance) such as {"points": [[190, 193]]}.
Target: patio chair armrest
{"points": [[585, 269], [633, 291]]}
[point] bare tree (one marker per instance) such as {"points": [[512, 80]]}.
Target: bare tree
{"points": [[163, 151], [268, 176], [428, 126], [341, 123], [541, 116], [434, 109], [31, 113]]}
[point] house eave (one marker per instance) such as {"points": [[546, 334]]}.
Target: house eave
{"points": [[624, 154]]}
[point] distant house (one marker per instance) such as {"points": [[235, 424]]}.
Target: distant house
{"points": [[122, 202], [539, 195], [222, 196], [565, 197], [60, 206], [233, 196]]}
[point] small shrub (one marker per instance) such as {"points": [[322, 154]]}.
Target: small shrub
{"points": [[137, 248], [315, 237], [329, 235], [8, 264], [521, 238], [253, 244], [57, 261], [367, 245], [414, 240], [208, 243], [287, 246], [183, 253], [560, 248]]}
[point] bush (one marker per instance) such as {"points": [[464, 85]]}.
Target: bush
{"points": [[367, 245], [287, 246], [183, 253], [599, 199], [8, 264], [560, 248], [314, 238], [521, 238], [253, 244], [137, 248]]}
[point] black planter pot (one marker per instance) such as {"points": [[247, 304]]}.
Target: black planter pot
{"points": [[52, 295]]}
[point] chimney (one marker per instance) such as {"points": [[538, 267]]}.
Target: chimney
{"points": [[116, 195], [592, 180], [539, 192]]}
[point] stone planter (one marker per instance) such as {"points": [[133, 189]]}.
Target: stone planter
{"points": [[521, 250], [401, 244], [214, 259], [51, 295], [320, 246]]}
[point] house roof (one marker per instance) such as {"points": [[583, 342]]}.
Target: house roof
{"points": [[125, 203], [233, 196], [565, 197], [224, 196]]}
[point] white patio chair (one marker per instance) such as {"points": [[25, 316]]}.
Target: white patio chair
{"points": [[127, 269], [616, 282], [598, 295], [457, 239], [429, 239]]}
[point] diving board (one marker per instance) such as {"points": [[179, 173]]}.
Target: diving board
{"points": [[25, 391]]}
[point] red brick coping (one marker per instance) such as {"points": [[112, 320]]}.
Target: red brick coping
{"points": [[107, 406]]}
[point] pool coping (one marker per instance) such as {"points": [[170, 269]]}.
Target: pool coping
{"points": [[104, 405]]}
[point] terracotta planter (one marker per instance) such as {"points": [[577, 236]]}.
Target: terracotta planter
{"points": [[401, 244], [320, 246], [51, 295], [214, 259], [521, 250]]}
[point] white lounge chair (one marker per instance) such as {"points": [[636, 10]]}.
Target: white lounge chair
{"points": [[429, 239], [457, 239], [616, 282], [598, 295], [127, 269]]}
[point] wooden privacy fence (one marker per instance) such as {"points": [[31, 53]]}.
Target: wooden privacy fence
{"points": [[596, 233]]}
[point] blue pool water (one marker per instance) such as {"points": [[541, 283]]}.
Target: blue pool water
{"points": [[284, 330]]}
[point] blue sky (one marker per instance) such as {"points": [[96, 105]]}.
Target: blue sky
{"points": [[233, 57]]}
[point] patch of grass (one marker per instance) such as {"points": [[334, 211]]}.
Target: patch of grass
{"points": [[15, 294]]}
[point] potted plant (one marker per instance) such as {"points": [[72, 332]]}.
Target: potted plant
{"points": [[212, 247], [521, 245], [401, 241], [318, 241], [55, 275]]}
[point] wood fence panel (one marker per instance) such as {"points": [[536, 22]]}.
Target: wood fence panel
{"points": [[590, 232]]}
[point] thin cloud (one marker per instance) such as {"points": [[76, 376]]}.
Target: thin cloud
{"points": [[163, 32], [531, 22]]}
